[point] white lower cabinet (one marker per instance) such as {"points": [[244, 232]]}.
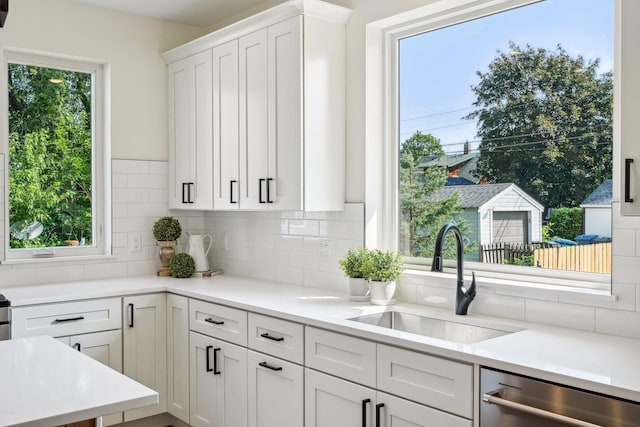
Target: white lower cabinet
{"points": [[178, 356], [276, 390], [218, 382], [106, 348], [396, 412], [144, 336]]}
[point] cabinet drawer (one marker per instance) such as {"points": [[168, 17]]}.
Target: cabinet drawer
{"points": [[276, 337], [432, 381], [218, 321], [347, 357], [69, 318]]}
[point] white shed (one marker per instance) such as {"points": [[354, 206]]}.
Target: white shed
{"points": [[597, 210], [497, 213]]}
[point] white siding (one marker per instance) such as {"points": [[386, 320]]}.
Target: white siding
{"points": [[598, 221]]}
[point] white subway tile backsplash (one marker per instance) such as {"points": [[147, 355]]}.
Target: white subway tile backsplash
{"points": [[618, 322], [304, 227], [566, 315], [625, 269], [129, 166], [625, 242]]}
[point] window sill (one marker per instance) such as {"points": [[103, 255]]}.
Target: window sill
{"points": [[78, 259], [562, 288]]}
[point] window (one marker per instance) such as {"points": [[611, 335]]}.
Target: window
{"points": [[55, 157], [500, 120]]}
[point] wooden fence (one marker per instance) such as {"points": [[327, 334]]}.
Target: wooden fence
{"points": [[594, 258]]}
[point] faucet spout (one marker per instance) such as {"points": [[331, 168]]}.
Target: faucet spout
{"points": [[464, 296]]}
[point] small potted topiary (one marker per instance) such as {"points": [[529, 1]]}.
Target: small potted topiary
{"points": [[351, 265], [166, 231], [182, 266], [382, 269]]}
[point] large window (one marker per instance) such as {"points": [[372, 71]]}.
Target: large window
{"points": [[55, 158], [499, 119]]}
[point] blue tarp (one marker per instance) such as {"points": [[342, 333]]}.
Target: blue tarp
{"points": [[564, 242]]}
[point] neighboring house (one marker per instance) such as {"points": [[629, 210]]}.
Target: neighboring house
{"points": [[457, 165], [597, 210], [497, 213]]}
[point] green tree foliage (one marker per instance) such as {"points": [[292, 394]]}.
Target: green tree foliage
{"points": [[565, 223], [545, 123], [50, 147], [421, 216]]}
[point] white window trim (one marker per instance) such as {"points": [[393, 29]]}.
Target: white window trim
{"points": [[101, 165], [381, 136]]}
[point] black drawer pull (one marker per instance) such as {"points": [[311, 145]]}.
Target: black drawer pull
{"points": [[131, 314], [273, 368], [215, 361], [207, 351], [269, 337], [69, 319], [215, 322], [627, 181]]}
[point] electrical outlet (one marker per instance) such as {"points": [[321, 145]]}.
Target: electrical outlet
{"points": [[135, 242]]}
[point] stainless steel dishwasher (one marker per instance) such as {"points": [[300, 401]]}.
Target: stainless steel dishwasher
{"points": [[5, 323], [510, 400]]}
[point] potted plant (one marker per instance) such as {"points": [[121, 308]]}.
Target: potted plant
{"points": [[166, 231], [382, 269], [352, 264]]}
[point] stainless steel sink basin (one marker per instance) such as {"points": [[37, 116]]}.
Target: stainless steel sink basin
{"points": [[431, 327]]}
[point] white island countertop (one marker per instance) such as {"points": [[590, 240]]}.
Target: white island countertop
{"points": [[601, 363], [45, 383]]}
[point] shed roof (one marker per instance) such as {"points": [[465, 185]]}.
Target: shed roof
{"points": [[475, 196], [601, 196]]}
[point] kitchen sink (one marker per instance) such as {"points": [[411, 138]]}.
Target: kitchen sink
{"points": [[431, 327]]}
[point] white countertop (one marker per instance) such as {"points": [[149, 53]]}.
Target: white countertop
{"points": [[46, 383], [597, 362]]}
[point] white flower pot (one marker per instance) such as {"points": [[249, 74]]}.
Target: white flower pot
{"points": [[382, 293], [358, 289]]}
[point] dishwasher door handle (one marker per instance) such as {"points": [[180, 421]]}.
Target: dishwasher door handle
{"points": [[495, 399]]}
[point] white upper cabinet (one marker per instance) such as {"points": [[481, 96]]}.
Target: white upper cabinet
{"points": [[190, 132], [277, 119]]}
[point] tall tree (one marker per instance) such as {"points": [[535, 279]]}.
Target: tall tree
{"points": [[49, 154], [545, 123], [421, 216]]}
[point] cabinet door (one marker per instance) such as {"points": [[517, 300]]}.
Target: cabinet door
{"points": [[226, 183], [332, 402], [285, 174], [190, 132], [178, 356], [106, 348], [145, 348], [218, 379], [275, 392], [254, 152], [396, 412]]}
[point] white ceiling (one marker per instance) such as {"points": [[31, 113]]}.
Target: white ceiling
{"points": [[201, 13]]}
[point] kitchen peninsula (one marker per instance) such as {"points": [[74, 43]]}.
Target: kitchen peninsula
{"points": [[45, 383]]}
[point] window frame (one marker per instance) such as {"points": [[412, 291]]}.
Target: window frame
{"points": [[382, 216], [101, 169]]}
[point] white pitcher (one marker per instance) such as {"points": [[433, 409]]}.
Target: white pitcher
{"points": [[196, 248]]}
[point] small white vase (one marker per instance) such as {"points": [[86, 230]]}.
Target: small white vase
{"points": [[382, 293], [358, 289]]}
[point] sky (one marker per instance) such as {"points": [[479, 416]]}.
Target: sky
{"points": [[438, 68]]}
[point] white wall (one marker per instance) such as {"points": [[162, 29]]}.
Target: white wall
{"points": [[129, 44], [597, 221]]}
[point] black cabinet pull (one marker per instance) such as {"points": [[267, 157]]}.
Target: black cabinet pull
{"points": [[273, 368], [184, 193], [189, 184], [69, 319], [207, 351], [215, 322], [365, 402], [378, 407], [231, 191], [269, 337], [627, 181], [131, 315], [215, 361], [260, 182], [268, 190], [77, 346]]}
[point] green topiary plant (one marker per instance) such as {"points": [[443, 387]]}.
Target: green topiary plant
{"points": [[167, 229], [182, 266], [352, 262], [382, 266]]}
